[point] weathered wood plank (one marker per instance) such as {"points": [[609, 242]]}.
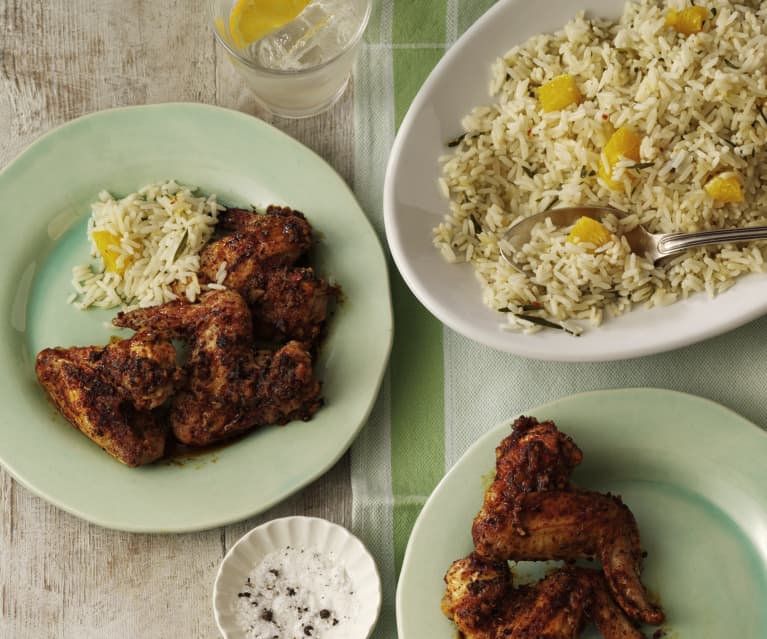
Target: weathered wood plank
{"points": [[59, 576], [63, 59]]}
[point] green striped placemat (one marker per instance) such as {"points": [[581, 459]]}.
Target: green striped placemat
{"points": [[441, 390]]}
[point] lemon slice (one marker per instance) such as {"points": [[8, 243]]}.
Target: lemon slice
{"points": [[251, 20]]}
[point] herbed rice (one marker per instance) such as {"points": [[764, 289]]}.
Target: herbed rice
{"points": [[159, 232], [698, 102]]}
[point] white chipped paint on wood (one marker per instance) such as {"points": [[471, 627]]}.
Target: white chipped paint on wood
{"points": [[60, 576]]}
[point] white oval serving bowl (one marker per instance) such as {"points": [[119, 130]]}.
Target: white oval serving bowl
{"points": [[301, 532], [414, 205]]}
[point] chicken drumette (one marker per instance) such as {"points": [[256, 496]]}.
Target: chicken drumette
{"points": [[229, 386], [484, 604], [531, 512], [294, 305], [258, 244], [259, 257], [108, 392]]}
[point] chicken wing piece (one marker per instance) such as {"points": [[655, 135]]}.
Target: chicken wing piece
{"points": [[531, 511], [229, 387], [107, 392], [536, 456], [481, 600], [294, 305], [245, 220], [259, 243], [606, 614], [287, 388], [274, 388], [570, 525], [141, 369], [213, 401]]}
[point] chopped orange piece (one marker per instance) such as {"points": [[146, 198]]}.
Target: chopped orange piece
{"points": [[624, 143], [559, 93], [104, 240], [689, 20], [588, 231], [725, 188]]}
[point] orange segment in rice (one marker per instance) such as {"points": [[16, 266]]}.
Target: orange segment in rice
{"points": [[624, 143], [559, 93], [588, 231], [689, 20], [725, 188], [105, 241]]}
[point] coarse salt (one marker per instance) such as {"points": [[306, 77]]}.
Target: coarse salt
{"points": [[294, 593]]}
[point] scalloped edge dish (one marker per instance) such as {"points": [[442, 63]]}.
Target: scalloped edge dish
{"points": [[310, 533]]}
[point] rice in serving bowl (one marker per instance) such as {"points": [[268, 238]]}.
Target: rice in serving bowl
{"points": [[696, 102], [155, 237]]}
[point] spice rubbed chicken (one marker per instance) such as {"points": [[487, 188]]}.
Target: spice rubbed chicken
{"points": [[108, 392], [484, 604], [229, 385], [252, 340], [531, 511], [259, 257]]}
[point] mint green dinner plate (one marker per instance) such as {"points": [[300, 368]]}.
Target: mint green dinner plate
{"points": [[45, 195], [692, 472]]}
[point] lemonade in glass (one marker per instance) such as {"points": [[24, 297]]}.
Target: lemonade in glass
{"points": [[295, 55]]}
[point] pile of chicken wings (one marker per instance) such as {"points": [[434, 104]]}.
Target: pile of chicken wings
{"points": [[531, 511], [251, 343]]}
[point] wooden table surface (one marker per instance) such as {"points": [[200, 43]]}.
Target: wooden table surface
{"points": [[59, 59]]}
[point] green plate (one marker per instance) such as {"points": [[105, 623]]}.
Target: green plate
{"points": [[45, 194], [692, 472]]}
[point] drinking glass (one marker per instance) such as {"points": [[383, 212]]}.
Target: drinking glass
{"points": [[302, 68]]}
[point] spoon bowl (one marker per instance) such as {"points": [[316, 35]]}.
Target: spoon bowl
{"points": [[652, 246]]}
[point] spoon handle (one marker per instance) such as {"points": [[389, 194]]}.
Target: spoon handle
{"points": [[671, 243]]}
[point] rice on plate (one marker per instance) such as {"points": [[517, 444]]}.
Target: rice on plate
{"points": [[147, 246], [691, 103]]}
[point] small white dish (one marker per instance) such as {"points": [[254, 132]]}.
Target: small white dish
{"points": [[309, 533]]}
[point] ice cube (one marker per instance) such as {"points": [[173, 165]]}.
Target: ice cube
{"points": [[319, 33]]}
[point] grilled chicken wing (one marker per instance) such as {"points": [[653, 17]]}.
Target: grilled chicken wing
{"points": [[536, 456], [294, 305], [481, 600], [530, 512], [286, 388], [259, 244], [107, 392], [287, 302], [572, 525], [141, 369], [229, 387]]}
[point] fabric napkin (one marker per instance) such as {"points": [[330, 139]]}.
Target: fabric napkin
{"points": [[442, 391]]}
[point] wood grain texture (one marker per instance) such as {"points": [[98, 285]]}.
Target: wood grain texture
{"points": [[60, 576]]}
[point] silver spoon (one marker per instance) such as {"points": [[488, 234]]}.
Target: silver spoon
{"points": [[653, 246]]}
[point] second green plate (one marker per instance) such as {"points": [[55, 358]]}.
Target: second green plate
{"points": [[692, 472]]}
